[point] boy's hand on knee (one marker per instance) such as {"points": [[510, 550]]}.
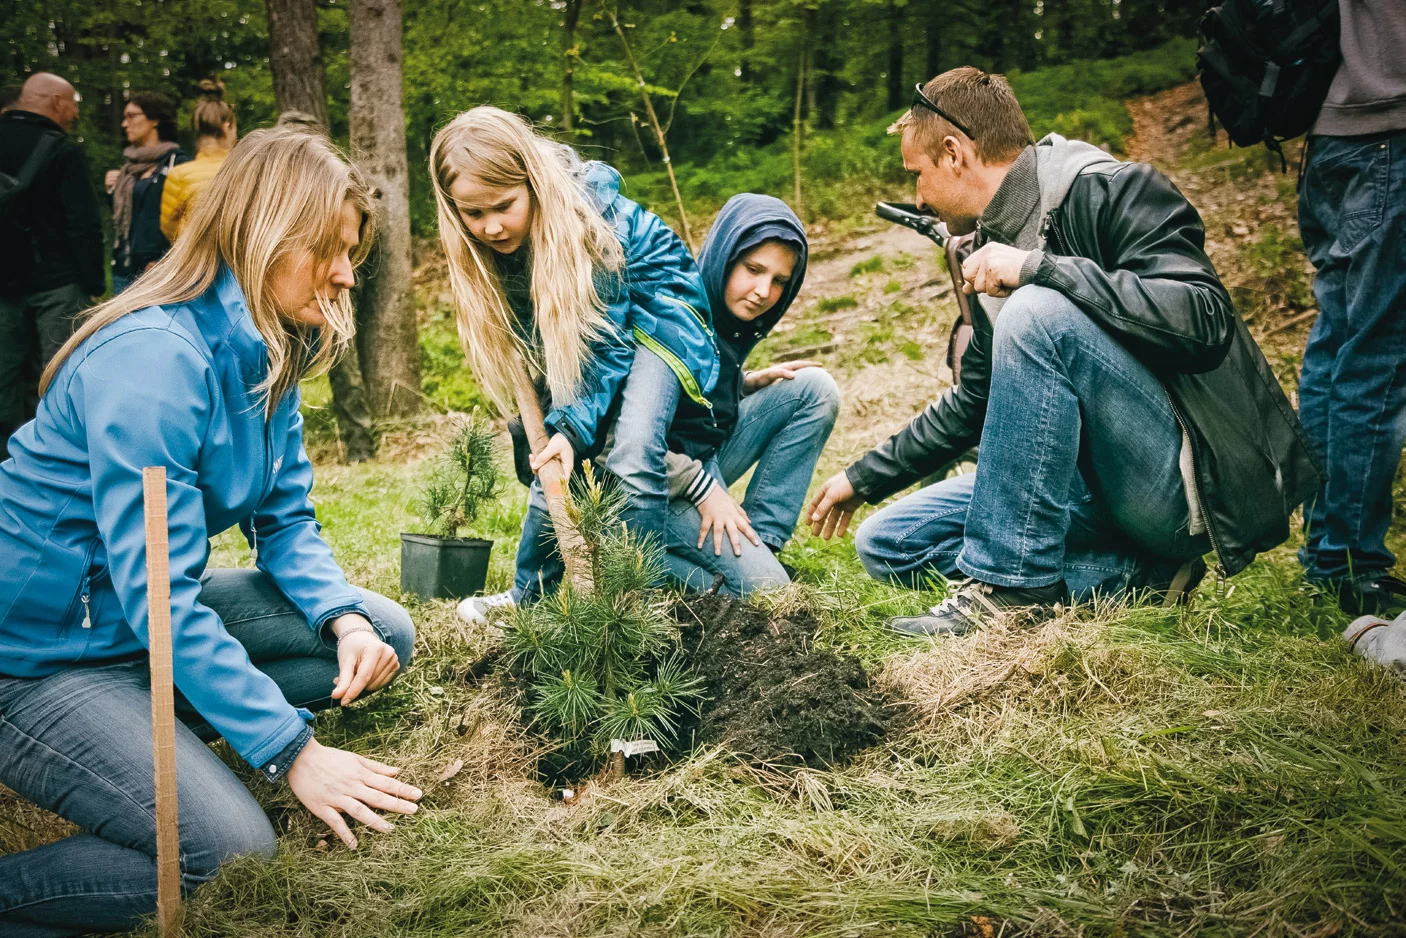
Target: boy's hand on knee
{"points": [[833, 507], [754, 381], [993, 269], [366, 663], [558, 448], [723, 515], [332, 782]]}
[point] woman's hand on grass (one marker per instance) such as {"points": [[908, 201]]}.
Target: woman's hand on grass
{"points": [[754, 381], [558, 448], [332, 782], [721, 515], [365, 662], [833, 507]]}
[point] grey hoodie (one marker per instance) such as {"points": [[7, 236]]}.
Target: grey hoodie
{"points": [[1368, 95]]}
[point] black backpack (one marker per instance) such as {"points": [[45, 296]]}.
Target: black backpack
{"points": [[1266, 66], [12, 187]]}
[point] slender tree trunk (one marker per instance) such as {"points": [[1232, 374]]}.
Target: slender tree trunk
{"points": [[377, 118], [748, 32], [653, 122], [797, 124], [896, 97], [571, 16], [932, 40], [295, 58], [299, 84]]}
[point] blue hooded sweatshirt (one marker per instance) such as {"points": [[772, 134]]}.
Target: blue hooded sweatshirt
{"points": [[164, 386], [746, 221]]}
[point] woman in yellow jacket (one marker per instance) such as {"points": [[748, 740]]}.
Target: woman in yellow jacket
{"points": [[215, 136]]}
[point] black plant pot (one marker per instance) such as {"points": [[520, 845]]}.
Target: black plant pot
{"points": [[443, 567]]}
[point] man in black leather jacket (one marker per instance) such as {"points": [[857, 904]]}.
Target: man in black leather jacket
{"points": [[1128, 423]]}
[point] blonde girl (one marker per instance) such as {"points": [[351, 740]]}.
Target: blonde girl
{"points": [[215, 135], [195, 368], [553, 268]]}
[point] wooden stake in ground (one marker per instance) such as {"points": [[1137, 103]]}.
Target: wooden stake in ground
{"points": [[163, 703], [569, 540]]}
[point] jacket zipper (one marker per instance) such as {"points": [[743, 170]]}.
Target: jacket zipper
{"points": [[1200, 501], [84, 598]]}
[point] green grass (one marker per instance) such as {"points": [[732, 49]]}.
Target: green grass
{"points": [[830, 304], [868, 266]]}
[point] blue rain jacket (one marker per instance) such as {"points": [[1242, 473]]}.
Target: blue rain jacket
{"points": [[164, 386], [658, 301]]}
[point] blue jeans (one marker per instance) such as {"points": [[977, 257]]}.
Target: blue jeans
{"points": [[647, 404], [1078, 478], [78, 743], [781, 429], [1352, 392]]}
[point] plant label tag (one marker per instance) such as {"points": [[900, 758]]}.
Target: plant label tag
{"points": [[634, 747]]}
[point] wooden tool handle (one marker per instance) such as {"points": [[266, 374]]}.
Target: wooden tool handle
{"points": [[163, 702], [569, 541]]}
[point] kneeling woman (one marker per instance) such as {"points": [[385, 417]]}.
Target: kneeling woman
{"points": [[195, 368], [777, 419]]}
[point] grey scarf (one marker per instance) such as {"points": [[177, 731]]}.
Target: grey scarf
{"points": [[139, 160]]}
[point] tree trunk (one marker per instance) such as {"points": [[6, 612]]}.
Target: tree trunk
{"points": [[748, 34], [295, 58], [299, 84], [570, 17], [932, 40], [896, 97], [377, 122], [797, 125]]}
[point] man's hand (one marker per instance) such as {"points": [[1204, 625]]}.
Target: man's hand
{"points": [[723, 515], [993, 269], [331, 782], [754, 381], [366, 663], [558, 448], [833, 506]]}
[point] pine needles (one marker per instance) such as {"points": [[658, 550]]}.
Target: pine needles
{"points": [[462, 480]]}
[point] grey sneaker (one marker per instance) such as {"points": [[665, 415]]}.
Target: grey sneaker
{"points": [[974, 603], [477, 610]]}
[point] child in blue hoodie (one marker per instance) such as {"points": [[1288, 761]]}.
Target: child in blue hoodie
{"points": [[777, 418]]}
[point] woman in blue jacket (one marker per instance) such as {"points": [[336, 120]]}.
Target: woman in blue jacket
{"points": [[553, 268], [194, 368], [777, 418]]}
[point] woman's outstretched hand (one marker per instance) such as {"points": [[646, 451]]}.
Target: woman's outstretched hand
{"points": [[833, 507], [332, 782], [365, 663], [558, 448]]}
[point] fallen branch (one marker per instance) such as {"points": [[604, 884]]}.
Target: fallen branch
{"points": [[1293, 323]]}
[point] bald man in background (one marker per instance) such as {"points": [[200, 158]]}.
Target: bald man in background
{"points": [[51, 244]]}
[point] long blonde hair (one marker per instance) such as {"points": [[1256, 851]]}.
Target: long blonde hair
{"points": [[570, 243], [279, 194]]}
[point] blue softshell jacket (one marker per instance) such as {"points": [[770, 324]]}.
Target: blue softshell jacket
{"points": [[657, 301], [173, 387]]}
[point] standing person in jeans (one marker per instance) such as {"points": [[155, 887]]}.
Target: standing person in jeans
{"points": [[149, 121], [51, 242], [195, 368], [776, 418], [1352, 392], [1127, 421]]}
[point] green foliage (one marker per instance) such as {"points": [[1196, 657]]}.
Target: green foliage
{"points": [[893, 286], [444, 378], [463, 478], [869, 266], [603, 665], [829, 304]]}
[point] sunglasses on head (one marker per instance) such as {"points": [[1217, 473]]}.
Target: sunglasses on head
{"points": [[923, 101]]}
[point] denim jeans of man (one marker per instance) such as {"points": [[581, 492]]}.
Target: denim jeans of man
{"points": [[1352, 390], [78, 743], [1078, 478], [781, 429], [32, 330], [647, 404]]}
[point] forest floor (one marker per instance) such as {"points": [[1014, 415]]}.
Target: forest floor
{"points": [[1225, 769]]}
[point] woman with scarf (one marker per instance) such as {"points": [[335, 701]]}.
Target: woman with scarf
{"points": [[776, 418], [149, 120]]}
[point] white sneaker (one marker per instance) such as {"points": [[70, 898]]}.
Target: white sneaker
{"points": [[478, 609]]}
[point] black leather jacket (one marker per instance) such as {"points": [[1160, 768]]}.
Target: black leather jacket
{"points": [[1128, 249]]}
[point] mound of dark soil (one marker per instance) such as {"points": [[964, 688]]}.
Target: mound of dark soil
{"points": [[772, 698]]}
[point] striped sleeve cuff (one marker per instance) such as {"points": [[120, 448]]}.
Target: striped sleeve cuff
{"points": [[700, 487]]}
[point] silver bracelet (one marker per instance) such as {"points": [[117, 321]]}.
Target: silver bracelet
{"points": [[368, 627]]}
